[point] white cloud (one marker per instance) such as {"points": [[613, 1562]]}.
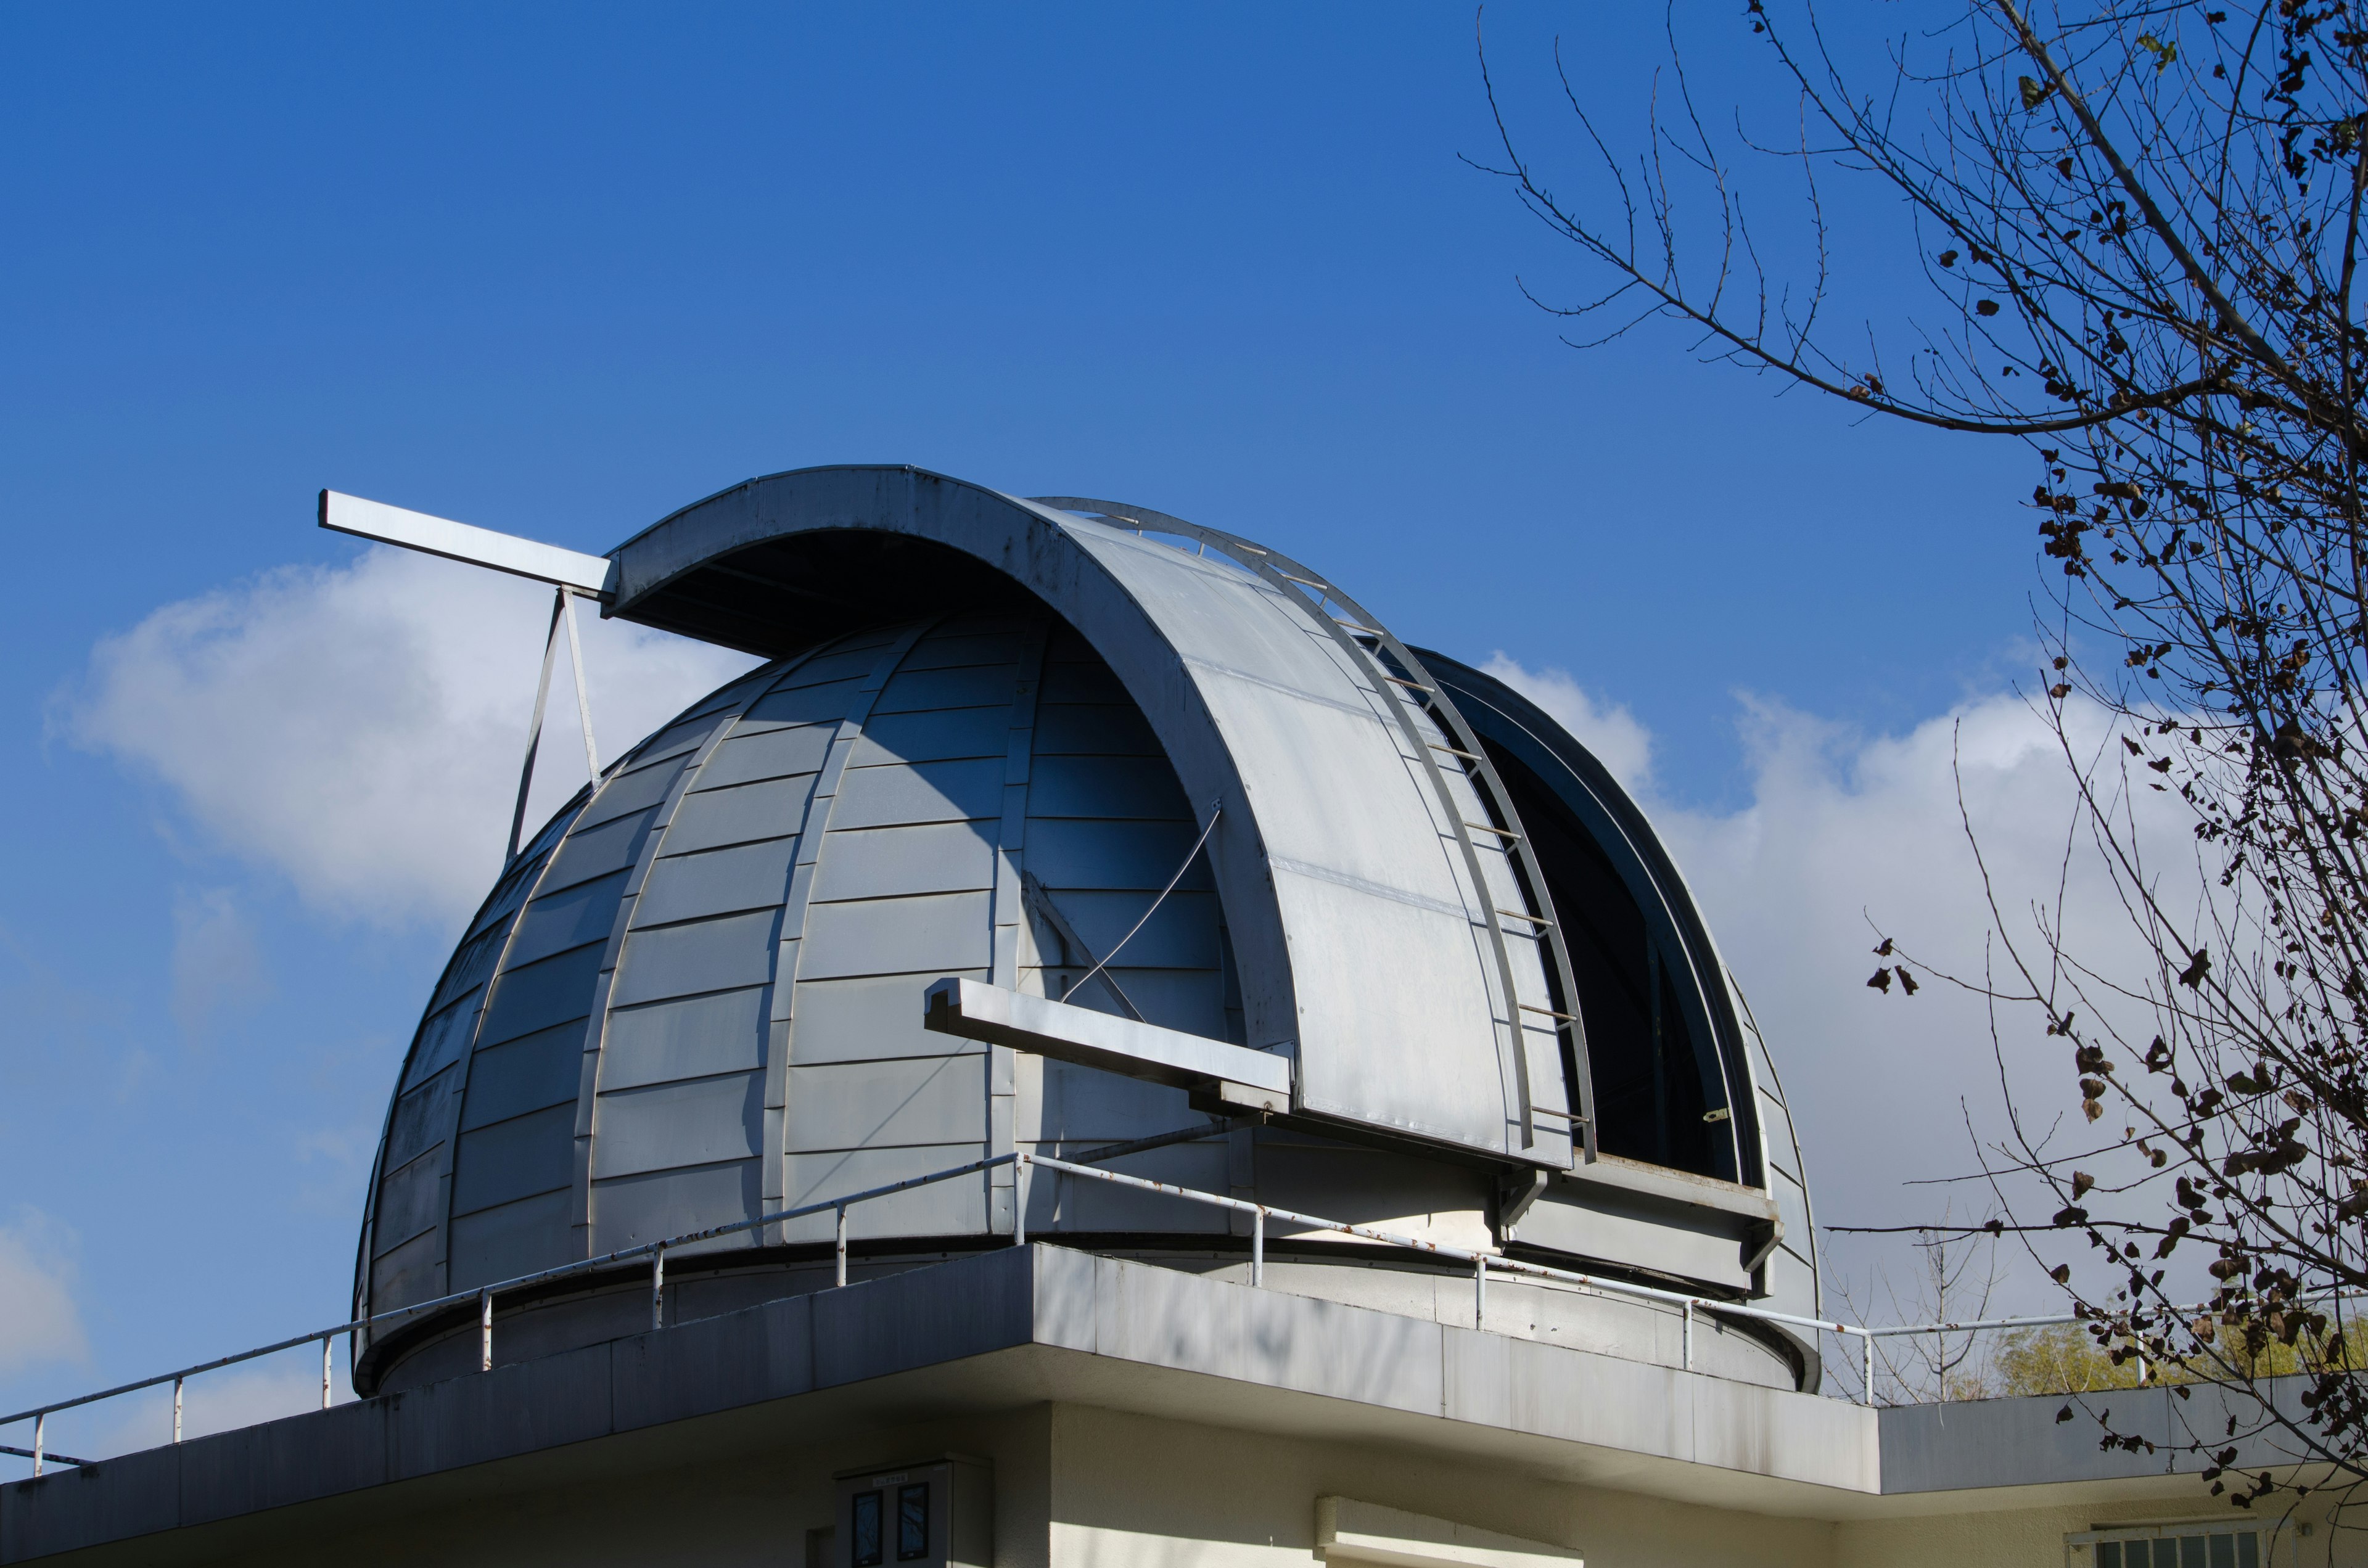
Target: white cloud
{"points": [[1847, 835], [38, 1321], [218, 968], [1617, 737], [359, 729]]}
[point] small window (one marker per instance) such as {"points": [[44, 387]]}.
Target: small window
{"points": [[864, 1533], [912, 1522], [2176, 1546]]}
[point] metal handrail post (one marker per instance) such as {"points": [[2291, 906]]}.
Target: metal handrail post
{"points": [[1866, 1367], [486, 1330], [40, 1438], [1480, 1291], [1020, 1187], [842, 1243], [177, 1409], [1258, 1247], [657, 1291], [1687, 1356], [328, 1342]]}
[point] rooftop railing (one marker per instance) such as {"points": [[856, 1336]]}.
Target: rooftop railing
{"points": [[1482, 1264]]}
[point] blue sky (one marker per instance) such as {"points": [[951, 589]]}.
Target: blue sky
{"points": [[559, 271]]}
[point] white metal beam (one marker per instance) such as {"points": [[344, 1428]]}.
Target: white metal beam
{"points": [[463, 541], [1237, 1075]]}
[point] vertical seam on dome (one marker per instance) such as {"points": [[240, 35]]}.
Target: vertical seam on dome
{"points": [[581, 1218], [468, 1058], [1011, 840], [781, 1024]]}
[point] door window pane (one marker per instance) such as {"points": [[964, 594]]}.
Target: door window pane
{"points": [[913, 1522], [865, 1535]]}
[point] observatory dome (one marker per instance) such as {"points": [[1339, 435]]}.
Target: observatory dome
{"points": [[1097, 758]]}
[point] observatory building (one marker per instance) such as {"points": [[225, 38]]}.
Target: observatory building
{"points": [[1438, 945], [1094, 1052]]}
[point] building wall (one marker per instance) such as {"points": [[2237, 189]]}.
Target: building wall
{"points": [[2029, 1538], [721, 1499], [1137, 1492], [1078, 1486]]}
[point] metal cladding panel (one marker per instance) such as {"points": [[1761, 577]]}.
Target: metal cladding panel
{"points": [[801, 705], [946, 735], [1074, 852], [679, 738], [493, 1245], [639, 1209], [1106, 787], [896, 862], [471, 963], [716, 882], [953, 650], [664, 1126], [596, 851], [1181, 934], [766, 754], [529, 1074], [709, 819], [954, 1207], [441, 1039], [848, 660], [934, 935], [420, 1119], [1347, 929], [919, 793], [413, 1271], [691, 1037], [1065, 1204], [842, 1020], [724, 953], [1336, 794], [1078, 1107], [888, 1104], [1070, 682], [410, 1202], [569, 918], [514, 1159], [1097, 728], [637, 791], [971, 685], [537, 995]]}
